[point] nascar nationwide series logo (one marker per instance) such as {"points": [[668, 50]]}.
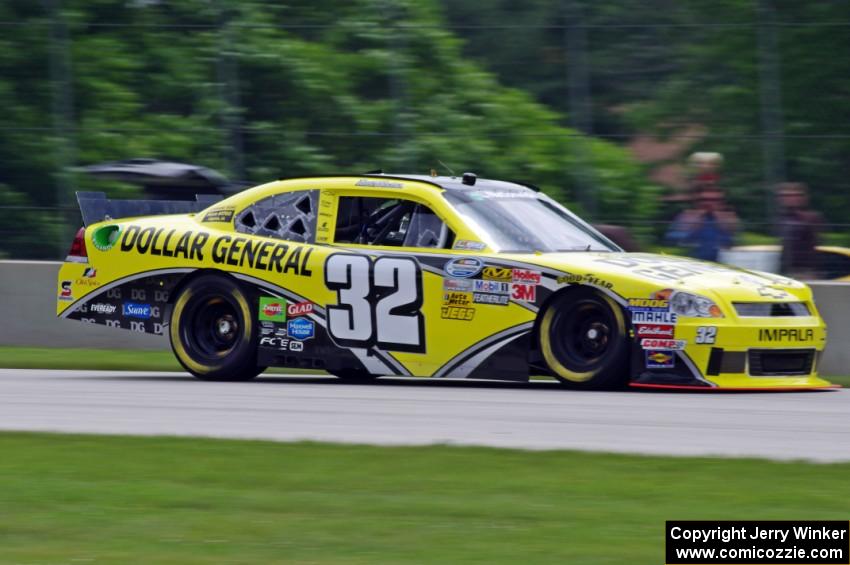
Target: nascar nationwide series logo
{"points": [[463, 267]]}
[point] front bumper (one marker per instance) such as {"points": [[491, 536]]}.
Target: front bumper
{"points": [[742, 354]]}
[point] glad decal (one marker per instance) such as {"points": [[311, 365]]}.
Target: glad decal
{"points": [[299, 309]]}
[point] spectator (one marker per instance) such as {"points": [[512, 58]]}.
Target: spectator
{"points": [[798, 228], [707, 228]]}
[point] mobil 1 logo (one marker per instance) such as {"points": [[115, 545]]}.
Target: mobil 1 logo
{"points": [[379, 303]]}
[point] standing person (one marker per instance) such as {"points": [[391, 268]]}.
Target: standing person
{"points": [[798, 228], [706, 228]]}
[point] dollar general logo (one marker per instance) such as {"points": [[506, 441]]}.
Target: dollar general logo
{"points": [[498, 274]]}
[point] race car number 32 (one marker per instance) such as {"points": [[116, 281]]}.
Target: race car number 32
{"points": [[378, 302]]}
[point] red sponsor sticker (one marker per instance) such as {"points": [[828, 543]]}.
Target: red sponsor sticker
{"points": [[299, 309], [526, 277], [655, 330], [664, 344], [273, 309], [526, 292]]}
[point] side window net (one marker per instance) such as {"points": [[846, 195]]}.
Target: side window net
{"points": [[289, 215]]}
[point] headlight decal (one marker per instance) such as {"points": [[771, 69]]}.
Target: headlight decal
{"points": [[689, 305]]}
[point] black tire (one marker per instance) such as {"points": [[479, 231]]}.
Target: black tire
{"points": [[584, 341], [354, 376], [213, 331]]}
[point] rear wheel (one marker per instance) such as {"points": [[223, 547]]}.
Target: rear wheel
{"points": [[583, 340], [213, 333]]}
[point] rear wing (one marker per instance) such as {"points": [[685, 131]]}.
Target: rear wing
{"points": [[95, 207]]}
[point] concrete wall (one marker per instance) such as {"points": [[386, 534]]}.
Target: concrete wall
{"points": [[28, 314], [833, 302], [28, 317]]}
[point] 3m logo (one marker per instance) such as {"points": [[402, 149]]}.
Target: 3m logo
{"points": [[498, 274], [526, 292]]}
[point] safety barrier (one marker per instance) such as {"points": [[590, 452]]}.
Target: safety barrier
{"points": [[28, 317]]}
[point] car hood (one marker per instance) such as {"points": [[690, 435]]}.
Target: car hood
{"points": [[625, 270]]}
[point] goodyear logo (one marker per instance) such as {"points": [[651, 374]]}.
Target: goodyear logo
{"points": [[498, 274], [457, 313]]}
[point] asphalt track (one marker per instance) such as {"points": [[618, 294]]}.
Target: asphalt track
{"points": [[539, 415]]}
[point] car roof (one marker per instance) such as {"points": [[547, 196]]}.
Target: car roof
{"points": [[456, 182]]}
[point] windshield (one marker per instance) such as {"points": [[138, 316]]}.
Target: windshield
{"points": [[518, 222]]}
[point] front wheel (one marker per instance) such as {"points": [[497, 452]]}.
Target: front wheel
{"points": [[213, 333], [583, 340]]}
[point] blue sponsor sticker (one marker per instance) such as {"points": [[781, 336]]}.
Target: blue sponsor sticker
{"points": [[301, 329], [660, 359], [136, 310], [463, 267]]}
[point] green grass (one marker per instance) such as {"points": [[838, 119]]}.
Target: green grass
{"points": [[68, 358], [98, 359], [70, 498]]}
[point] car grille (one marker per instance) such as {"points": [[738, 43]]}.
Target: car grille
{"points": [[780, 362], [771, 309]]}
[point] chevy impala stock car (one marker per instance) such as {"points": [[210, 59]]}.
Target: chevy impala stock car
{"points": [[447, 277]]}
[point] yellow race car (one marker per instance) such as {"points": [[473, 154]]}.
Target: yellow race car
{"points": [[446, 277]]}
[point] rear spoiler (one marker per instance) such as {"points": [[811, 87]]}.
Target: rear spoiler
{"points": [[95, 207]]}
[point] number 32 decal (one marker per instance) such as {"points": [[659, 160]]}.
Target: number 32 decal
{"points": [[378, 303]]}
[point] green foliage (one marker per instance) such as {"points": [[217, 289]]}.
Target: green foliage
{"points": [[659, 66], [322, 87]]}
